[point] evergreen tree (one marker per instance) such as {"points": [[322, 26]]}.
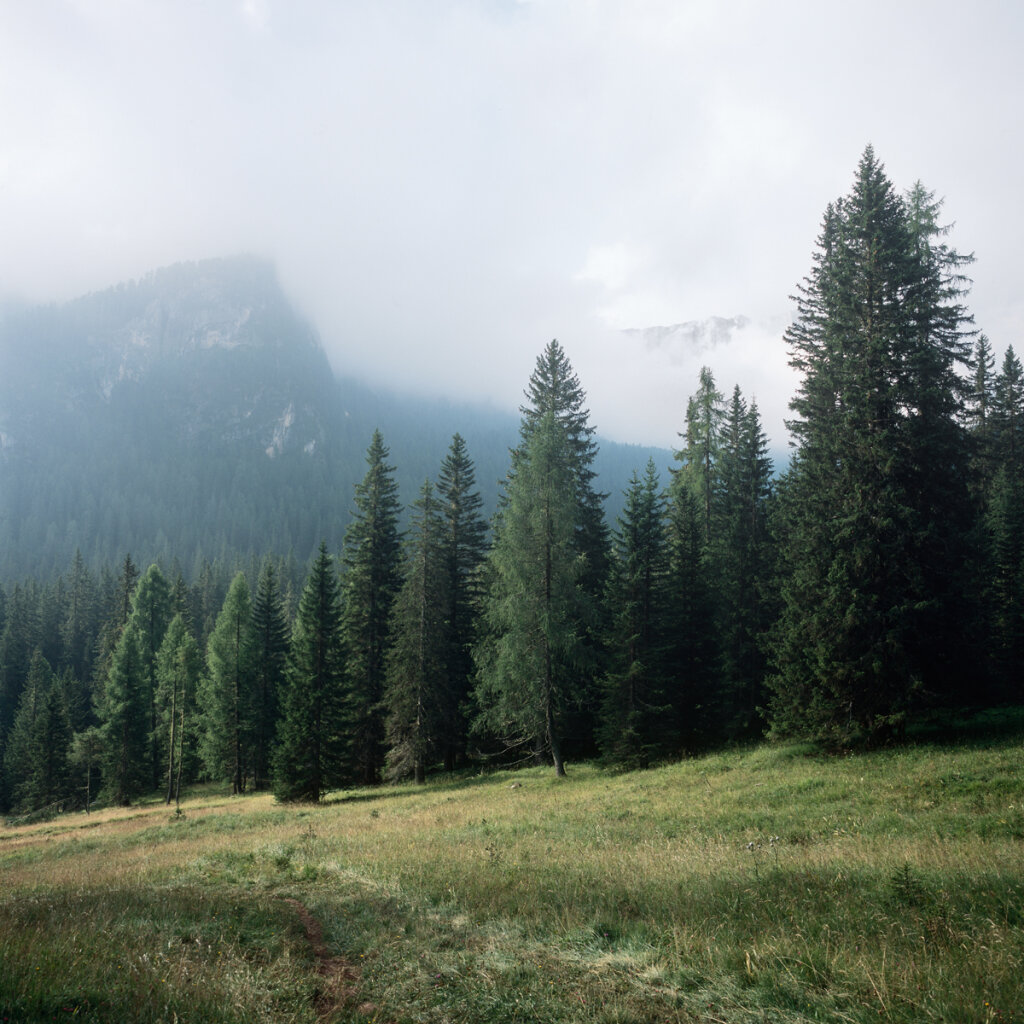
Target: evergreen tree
{"points": [[179, 668], [693, 649], [554, 389], [151, 614], [270, 625], [740, 558], [536, 612], [312, 750], [227, 693], [21, 752], [372, 559], [417, 691], [124, 719], [876, 500], [49, 779], [463, 550], [637, 718], [699, 469]]}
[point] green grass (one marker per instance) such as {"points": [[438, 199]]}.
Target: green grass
{"points": [[766, 884]]}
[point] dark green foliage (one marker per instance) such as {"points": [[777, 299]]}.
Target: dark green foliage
{"points": [[372, 559], [874, 556], [312, 752], [270, 625], [463, 550], [637, 716], [536, 612], [417, 691]]}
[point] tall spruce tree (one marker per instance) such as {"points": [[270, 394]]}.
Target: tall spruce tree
{"points": [[463, 550], [537, 613], [417, 688], [637, 720], [874, 551], [312, 751], [372, 556], [270, 624]]}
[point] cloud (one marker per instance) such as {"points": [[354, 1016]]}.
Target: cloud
{"points": [[445, 187]]}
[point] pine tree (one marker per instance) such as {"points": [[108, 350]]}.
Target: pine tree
{"points": [[372, 557], [876, 495], [311, 755], [536, 612], [270, 624], [227, 693], [417, 690], [20, 752], [699, 469], [636, 721], [463, 550]]}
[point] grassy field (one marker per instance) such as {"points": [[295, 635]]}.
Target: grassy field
{"points": [[765, 884]]}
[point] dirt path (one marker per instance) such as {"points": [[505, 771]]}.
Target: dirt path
{"points": [[339, 976]]}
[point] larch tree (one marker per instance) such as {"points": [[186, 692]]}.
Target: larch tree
{"points": [[178, 669], [535, 650], [227, 694]]}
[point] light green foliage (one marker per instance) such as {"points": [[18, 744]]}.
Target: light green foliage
{"points": [[227, 693], [178, 671], [535, 611]]}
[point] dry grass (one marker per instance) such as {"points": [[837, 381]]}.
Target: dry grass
{"points": [[753, 885]]}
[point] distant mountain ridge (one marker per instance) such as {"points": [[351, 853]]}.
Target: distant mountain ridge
{"points": [[193, 414]]}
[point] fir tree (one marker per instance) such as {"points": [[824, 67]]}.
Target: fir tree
{"points": [[875, 557], [636, 725], [417, 691], [311, 755], [270, 625], [463, 551], [372, 558]]}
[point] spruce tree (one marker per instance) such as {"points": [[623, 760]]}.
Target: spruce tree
{"points": [[417, 689], [463, 550], [372, 556], [312, 752], [270, 625], [877, 511], [636, 719]]}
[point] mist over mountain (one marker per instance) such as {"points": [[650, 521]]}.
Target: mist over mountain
{"points": [[193, 415]]}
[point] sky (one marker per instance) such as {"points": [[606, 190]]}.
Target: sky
{"points": [[446, 186]]}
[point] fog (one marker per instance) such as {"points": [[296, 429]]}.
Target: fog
{"points": [[445, 187]]}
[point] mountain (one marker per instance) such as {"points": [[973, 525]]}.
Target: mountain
{"points": [[193, 415]]}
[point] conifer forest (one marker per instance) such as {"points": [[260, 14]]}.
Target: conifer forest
{"points": [[875, 579]]}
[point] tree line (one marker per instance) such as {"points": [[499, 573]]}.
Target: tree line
{"points": [[879, 576]]}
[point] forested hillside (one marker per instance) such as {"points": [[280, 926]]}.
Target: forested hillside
{"points": [[192, 416], [878, 579]]}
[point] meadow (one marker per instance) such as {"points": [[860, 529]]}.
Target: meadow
{"points": [[762, 884]]}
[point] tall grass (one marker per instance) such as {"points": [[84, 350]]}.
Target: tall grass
{"points": [[759, 884]]}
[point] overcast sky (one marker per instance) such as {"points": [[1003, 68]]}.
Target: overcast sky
{"points": [[447, 185]]}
